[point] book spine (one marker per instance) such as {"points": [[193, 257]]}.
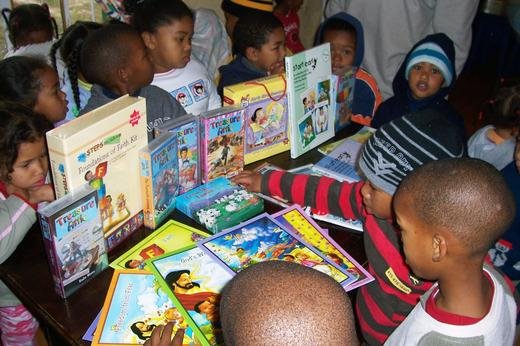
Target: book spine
{"points": [[52, 256], [60, 171], [147, 189], [204, 150]]}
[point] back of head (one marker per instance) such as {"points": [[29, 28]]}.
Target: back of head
{"points": [[241, 8], [253, 31], [27, 19], [149, 15], [279, 302], [504, 110]]}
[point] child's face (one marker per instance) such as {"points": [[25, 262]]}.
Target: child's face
{"points": [[50, 100], [425, 80], [139, 67], [342, 48], [272, 52], [376, 201], [30, 167]]}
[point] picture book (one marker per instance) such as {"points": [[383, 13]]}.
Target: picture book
{"points": [[341, 162], [310, 98], [265, 109], [263, 239], [194, 281], [296, 220], [73, 239], [171, 236], [222, 142], [219, 204], [134, 305], [344, 98], [159, 178], [102, 148]]}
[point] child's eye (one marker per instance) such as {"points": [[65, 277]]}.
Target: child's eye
{"points": [[435, 70], [417, 67]]}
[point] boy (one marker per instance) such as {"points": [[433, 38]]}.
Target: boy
{"points": [[345, 35], [388, 156], [450, 212], [114, 59], [259, 45]]}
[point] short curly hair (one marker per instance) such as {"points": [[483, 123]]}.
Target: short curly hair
{"points": [[253, 31]]}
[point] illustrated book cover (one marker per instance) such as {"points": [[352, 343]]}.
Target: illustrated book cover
{"points": [[102, 148], [310, 98], [341, 162], [361, 136], [266, 118], [344, 98], [73, 239]]}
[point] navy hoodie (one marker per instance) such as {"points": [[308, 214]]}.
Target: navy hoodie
{"points": [[237, 71]]}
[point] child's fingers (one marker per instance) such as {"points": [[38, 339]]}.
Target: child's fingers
{"points": [[155, 337], [178, 338]]}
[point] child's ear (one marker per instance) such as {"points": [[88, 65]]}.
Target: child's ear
{"points": [[251, 53], [439, 247], [148, 39]]}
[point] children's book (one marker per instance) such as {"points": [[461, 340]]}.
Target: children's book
{"points": [[73, 239], [171, 236], [194, 281], [135, 304], [265, 109], [344, 98], [310, 98], [222, 142], [341, 162], [218, 205], [159, 178], [361, 136], [102, 148]]}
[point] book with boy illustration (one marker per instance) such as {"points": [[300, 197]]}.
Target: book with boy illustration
{"points": [[134, 305], [265, 108], [171, 236], [194, 281], [222, 142], [73, 239], [310, 98], [159, 178], [102, 148], [344, 98]]}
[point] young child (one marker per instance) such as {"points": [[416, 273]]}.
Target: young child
{"points": [[166, 27], [450, 212], [115, 61], [33, 83], [287, 12], [23, 171], [345, 35], [259, 48], [235, 9], [389, 155]]}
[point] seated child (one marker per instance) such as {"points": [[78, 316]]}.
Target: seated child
{"points": [[389, 155], [287, 12], [345, 35], [115, 61], [259, 48], [234, 9], [449, 212]]}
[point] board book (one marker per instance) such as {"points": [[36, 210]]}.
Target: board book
{"points": [[266, 118], [73, 239], [310, 98], [102, 148]]}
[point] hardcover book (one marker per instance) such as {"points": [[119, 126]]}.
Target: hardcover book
{"points": [[102, 148], [73, 238], [265, 107]]}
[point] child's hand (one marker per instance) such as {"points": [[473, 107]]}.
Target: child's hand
{"points": [[162, 336], [43, 193], [276, 68], [252, 181]]}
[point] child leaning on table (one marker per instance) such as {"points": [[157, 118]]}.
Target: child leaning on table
{"points": [[450, 212], [23, 171], [389, 155]]}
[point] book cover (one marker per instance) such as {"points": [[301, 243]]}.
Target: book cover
{"points": [[102, 147], [194, 282], [218, 205], [310, 98], [134, 305], [222, 142], [73, 239], [344, 98], [171, 236], [341, 162], [266, 118], [352, 224], [159, 178]]}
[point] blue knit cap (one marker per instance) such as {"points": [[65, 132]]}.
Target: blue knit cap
{"points": [[433, 54]]}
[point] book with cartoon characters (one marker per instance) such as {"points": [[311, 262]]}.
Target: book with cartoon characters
{"points": [[102, 148], [265, 107], [311, 101]]}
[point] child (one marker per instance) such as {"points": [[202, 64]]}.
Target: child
{"points": [[345, 35], [259, 47], [115, 61], [166, 27], [33, 83], [23, 171], [287, 12], [449, 213], [388, 156], [235, 9]]}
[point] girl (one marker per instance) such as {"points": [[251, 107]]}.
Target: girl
{"points": [[23, 171], [34, 84], [166, 27]]}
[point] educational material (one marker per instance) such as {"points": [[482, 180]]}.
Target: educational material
{"points": [[344, 98], [89, 333], [135, 304], [171, 236], [73, 239], [102, 148], [222, 142], [194, 281], [341, 162], [352, 224], [310, 98], [159, 178], [218, 205], [265, 108], [361, 136]]}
